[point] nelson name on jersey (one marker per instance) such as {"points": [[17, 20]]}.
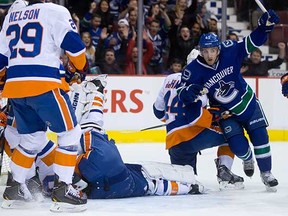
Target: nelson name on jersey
{"points": [[32, 14]]}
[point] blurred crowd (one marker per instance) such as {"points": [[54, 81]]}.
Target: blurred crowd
{"points": [[171, 29]]}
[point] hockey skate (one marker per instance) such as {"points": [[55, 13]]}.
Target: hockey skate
{"points": [[269, 180], [67, 199], [16, 195], [227, 179], [248, 167], [35, 187], [197, 188]]}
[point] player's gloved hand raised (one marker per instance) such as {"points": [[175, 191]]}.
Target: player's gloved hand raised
{"points": [[72, 75], [267, 20], [284, 82], [190, 94]]}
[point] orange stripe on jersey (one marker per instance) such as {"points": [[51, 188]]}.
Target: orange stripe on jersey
{"points": [[7, 149], [205, 119], [64, 85], [182, 135], [97, 101], [225, 150], [65, 110], [64, 158], [87, 141], [20, 89], [189, 132], [48, 159], [174, 188], [79, 61], [22, 160]]}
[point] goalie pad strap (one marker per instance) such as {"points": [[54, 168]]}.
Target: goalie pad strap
{"points": [[170, 172], [90, 124]]}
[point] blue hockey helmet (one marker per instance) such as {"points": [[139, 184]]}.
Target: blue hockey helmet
{"points": [[209, 40]]}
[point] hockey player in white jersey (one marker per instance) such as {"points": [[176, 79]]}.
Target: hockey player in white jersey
{"points": [[31, 42]]}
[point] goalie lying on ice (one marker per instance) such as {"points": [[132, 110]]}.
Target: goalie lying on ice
{"points": [[99, 161]]}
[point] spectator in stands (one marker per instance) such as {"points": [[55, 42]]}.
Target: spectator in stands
{"points": [[132, 18], [196, 32], [232, 36], [153, 13], [175, 67], [132, 5], [103, 10], [255, 67], [93, 27], [118, 41], [182, 14], [158, 35], [109, 64], [132, 54], [90, 49], [203, 15], [212, 25], [181, 43]]}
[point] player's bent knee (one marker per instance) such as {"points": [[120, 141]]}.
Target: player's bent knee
{"points": [[34, 141], [71, 137], [12, 136]]}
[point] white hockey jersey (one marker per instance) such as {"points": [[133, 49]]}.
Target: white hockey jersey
{"points": [[183, 123], [31, 41]]}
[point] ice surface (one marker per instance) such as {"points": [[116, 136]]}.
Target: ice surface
{"points": [[254, 200]]}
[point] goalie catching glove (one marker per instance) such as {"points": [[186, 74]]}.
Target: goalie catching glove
{"points": [[72, 75]]}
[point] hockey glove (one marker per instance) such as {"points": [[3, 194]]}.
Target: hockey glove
{"points": [[190, 94], [72, 75], [284, 82], [219, 113], [267, 21]]}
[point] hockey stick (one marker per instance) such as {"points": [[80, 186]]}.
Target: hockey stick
{"points": [[202, 92], [261, 6], [153, 127]]}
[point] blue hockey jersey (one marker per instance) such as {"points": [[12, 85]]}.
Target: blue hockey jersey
{"points": [[223, 79]]}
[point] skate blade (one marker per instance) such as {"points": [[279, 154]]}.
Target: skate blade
{"points": [[16, 204], [66, 207], [225, 185], [271, 189]]}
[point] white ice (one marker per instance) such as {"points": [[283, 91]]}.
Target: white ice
{"points": [[254, 200]]}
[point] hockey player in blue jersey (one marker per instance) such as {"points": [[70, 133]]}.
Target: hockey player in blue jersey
{"points": [[218, 70], [100, 163]]}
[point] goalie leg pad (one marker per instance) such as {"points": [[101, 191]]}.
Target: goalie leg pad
{"points": [[171, 172]]}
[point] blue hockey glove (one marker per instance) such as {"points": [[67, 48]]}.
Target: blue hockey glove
{"points": [[284, 82], [72, 75], [267, 20], [190, 94]]}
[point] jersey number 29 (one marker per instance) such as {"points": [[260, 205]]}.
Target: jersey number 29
{"points": [[29, 34]]}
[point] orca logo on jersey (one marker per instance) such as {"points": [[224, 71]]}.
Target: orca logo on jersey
{"points": [[226, 92]]}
